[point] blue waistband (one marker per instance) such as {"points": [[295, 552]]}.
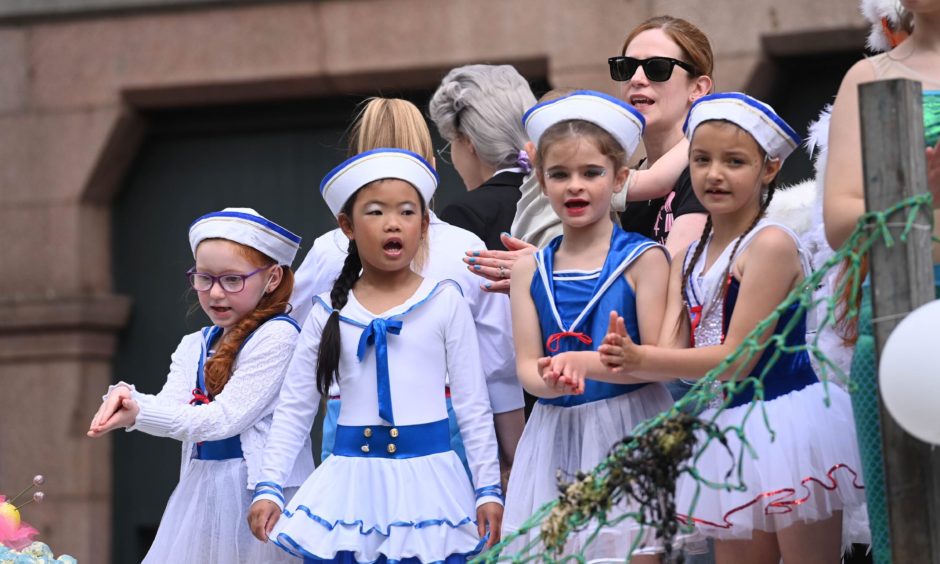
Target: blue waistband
{"points": [[593, 391], [403, 441], [223, 449]]}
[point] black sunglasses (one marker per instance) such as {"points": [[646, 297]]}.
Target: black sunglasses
{"points": [[657, 69]]}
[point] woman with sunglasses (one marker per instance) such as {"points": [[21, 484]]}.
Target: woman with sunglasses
{"points": [[220, 392], [664, 66]]}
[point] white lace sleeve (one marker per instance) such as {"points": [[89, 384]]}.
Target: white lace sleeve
{"points": [[248, 396]]}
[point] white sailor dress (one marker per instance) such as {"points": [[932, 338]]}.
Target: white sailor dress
{"points": [[574, 433], [206, 516], [393, 490], [808, 467]]}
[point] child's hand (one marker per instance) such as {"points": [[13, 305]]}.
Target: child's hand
{"points": [[490, 519], [551, 377], [262, 516], [112, 406], [124, 416], [571, 368], [618, 351]]}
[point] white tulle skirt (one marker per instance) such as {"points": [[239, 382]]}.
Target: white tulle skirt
{"points": [[809, 469], [368, 508], [572, 439], [206, 519]]}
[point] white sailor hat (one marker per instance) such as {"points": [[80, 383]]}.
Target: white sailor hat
{"points": [[248, 227], [750, 114], [378, 164], [613, 115]]}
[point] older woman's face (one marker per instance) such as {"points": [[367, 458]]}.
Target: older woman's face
{"points": [[663, 104]]}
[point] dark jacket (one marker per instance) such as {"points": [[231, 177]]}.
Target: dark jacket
{"points": [[489, 210]]}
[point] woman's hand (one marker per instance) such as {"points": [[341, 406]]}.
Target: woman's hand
{"points": [[490, 519], [496, 266], [262, 516], [933, 173], [618, 351], [117, 411]]}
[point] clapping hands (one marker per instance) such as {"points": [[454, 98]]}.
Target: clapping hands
{"points": [[618, 351]]}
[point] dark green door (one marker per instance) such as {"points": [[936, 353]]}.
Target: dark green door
{"points": [[194, 161]]}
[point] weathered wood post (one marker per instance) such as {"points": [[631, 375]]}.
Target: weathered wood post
{"points": [[902, 280]]}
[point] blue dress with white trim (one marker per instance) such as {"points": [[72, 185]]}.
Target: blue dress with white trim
{"points": [[574, 433], [393, 490]]}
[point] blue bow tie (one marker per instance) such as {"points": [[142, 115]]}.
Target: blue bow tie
{"points": [[377, 333]]}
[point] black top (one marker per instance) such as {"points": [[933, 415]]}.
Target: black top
{"points": [[654, 218], [489, 210]]}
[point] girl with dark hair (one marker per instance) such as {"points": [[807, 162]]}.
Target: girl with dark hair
{"points": [[393, 489], [802, 498], [220, 394]]}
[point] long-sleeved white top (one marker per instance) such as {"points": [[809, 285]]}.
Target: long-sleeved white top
{"points": [[437, 337], [447, 243], [245, 407]]}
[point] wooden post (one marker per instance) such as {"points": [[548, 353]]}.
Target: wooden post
{"points": [[902, 280]]}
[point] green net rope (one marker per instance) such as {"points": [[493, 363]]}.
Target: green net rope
{"points": [[643, 467]]}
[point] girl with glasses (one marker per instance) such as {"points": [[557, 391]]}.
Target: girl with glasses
{"points": [[221, 391]]}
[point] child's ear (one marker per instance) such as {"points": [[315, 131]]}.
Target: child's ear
{"points": [[276, 276], [425, 222], [770, 171], [345, 224], [620, 179]]}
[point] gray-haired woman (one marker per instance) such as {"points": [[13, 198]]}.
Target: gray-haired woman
{"points": [[478, 111]]}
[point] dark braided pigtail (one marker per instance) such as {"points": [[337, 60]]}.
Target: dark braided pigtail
{"points": [[328, 357]]}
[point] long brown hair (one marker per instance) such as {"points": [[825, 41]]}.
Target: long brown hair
{"points": [[219, 367], [696, 49]]}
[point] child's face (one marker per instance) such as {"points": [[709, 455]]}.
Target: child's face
{"points": [[579, 181], [218, 257], [728, 169], [387, 224]]}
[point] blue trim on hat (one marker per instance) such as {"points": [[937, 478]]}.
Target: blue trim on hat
{"points": [[753, 102], [617, 101], [253, 218], [336, 170]]}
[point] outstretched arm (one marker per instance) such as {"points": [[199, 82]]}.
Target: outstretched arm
{"points": [[771, 269]]}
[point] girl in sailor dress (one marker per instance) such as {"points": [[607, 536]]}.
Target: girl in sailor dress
{"points": [[221, 390], [561, 302], [393, 490], [803, 495]]}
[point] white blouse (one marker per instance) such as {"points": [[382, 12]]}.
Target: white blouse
{"points": [[437, 338], [245, 407]]}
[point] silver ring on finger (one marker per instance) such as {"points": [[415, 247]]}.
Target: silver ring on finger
{"points": [[502, 271]]}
